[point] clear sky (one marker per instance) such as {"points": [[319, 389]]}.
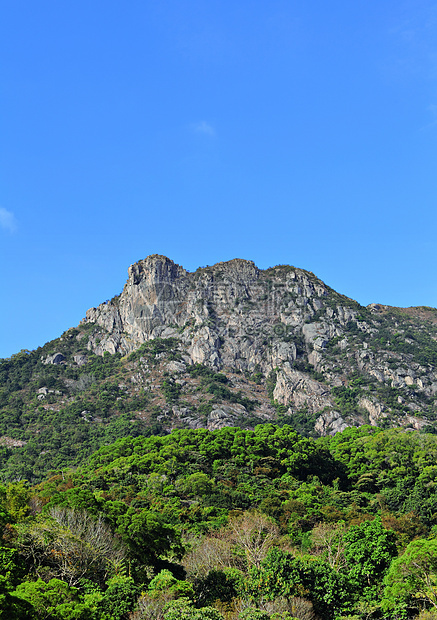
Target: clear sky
{"points": [[301, 132]]}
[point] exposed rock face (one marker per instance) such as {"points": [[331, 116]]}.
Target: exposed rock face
{"points": [[220, 416], [282, 321], [330, 423], [176, 367], [374, 409], [223, 314], [224, 415], [9, 442], [56, 358], [80, 360], [296, 389]]}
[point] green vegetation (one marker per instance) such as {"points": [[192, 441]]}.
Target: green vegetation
{"points": [[155, 347], [228, 525], [413, 341], [80, 407], [109, 513]]}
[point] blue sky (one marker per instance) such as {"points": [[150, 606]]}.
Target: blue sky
{"points": [[300, 132]]}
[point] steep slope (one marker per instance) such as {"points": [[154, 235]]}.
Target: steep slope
{"points": [[227, 345], [288, 326]]}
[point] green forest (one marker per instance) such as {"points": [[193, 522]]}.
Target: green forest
{"points": [[233, 524]]}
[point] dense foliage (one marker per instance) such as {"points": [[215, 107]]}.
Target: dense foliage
{"points": [[107, 515], [234, 524], [53, 416]]}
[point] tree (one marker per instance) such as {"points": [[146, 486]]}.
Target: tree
{"points": [[283, 575], [162, 589], [54, 600], [12, 568], [328, 539], [183, 609], [213, 552], [253, 534], [280, 574], [219, 585], [12, 571], [13, 607], [253, 613], [14, 502], [412, 578], [198, 484], [369, 550], [173, 588], [119, 598], [70, 545], [147, 535]]}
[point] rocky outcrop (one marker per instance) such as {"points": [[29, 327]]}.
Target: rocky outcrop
{"points": [[80, 360], [296, 389], [235, 317], [9, 442], [175, 367], [224, 415], [223, 314], [56, 358], [330, 423]]}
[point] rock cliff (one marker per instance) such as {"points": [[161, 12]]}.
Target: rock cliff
{"points": [[317, 353]]}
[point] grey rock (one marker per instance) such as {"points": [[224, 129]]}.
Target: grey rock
{"points": [[80, 359], [11, 443], [295, 388], [330, 423], [236, 318], [56, 358], [224, 415], [175, 367], [375, 410]]}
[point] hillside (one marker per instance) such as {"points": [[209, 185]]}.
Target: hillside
{"points": [[208, 445], [226, 345], [228, 525]]}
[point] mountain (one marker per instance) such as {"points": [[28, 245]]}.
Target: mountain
{"points": [[226, 345]]}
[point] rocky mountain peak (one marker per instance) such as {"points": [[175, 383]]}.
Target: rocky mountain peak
{"points": [[225, 345], [155, 268], [314, 345]]}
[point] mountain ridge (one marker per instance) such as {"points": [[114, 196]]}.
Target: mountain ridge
{"points": [[286, 314], [225, 345]]}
